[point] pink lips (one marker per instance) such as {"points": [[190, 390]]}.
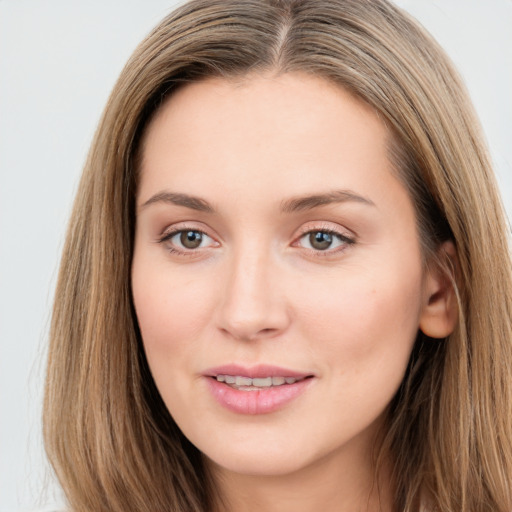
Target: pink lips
{"points": [[261, 401]]}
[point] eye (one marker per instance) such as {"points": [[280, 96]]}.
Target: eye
{"points": [[324, 240], [185, 240], [190, 239]]}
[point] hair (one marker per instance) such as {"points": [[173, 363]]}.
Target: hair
{"points": [[108, 434]]}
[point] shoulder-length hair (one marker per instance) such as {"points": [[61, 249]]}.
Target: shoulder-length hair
{"points": [[109, 437]]}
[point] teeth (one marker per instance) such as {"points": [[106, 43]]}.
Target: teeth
{"points": [[243, 381], [262, 383], [265, 382]]}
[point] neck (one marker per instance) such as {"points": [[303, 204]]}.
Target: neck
{"points": [[328, 485]]}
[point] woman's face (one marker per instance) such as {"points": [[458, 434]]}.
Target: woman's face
{"points": [[277, 274]]}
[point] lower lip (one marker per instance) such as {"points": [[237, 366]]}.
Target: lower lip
{"points": [[261, 401]]}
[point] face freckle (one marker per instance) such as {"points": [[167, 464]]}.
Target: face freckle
{"points": [[256, 299]]}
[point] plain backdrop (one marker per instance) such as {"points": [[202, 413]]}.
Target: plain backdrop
{"points": [[58, 62]]}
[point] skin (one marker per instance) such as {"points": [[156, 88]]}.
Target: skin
{"points": [[256, 290]]}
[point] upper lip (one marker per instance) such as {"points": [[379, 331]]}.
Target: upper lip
{"points": [[255, 372]]}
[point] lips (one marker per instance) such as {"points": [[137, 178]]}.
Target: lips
{"points": [[256, 390]]}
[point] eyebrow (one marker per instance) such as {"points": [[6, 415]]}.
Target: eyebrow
{"points": [[309, 202], [192, 202], [295, 204]]}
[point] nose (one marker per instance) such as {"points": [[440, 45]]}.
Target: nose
{"points": [[253, 304]]}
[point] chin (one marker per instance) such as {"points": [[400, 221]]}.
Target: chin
{"points": [[261, 464]]}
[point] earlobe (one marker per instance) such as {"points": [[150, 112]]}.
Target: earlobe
{"points": [[440, 308]]}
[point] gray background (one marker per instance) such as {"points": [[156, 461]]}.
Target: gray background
{"points": [[58, 61]]}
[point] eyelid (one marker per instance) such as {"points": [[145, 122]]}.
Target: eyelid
{"points": [[329, 227], [185, 225]]}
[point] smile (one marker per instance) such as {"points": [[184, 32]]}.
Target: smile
{"points": [[255, 390]]}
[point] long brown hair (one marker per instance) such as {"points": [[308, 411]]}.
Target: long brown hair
{"points": [[108, 435]]}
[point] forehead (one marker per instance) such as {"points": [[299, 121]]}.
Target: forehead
{"points": [[261, 100], [262, 132]]}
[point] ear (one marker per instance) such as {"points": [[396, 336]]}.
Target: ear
{"points": [[440, 310]]}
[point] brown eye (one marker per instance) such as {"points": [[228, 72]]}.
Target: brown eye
{"points": [[320, 240], [191, 239], [187, 242], [324, 240]]}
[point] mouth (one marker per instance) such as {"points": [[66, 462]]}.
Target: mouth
{"points": [[256, 390]]}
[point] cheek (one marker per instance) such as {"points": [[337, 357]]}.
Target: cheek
{"points": [[172, 310], [367, 320], [363, 337]]}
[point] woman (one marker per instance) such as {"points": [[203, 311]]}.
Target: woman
{"points": [[286, 283]]}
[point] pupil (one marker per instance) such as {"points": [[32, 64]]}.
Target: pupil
{"points": [[320, 240], [191, 239]]}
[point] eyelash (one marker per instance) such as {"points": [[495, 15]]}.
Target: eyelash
{"points": [[345, 241]]}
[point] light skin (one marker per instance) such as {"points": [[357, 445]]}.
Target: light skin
{"points": [[302, 253]]}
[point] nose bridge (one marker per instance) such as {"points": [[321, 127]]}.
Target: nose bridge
{"points": [[252, 305]]}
